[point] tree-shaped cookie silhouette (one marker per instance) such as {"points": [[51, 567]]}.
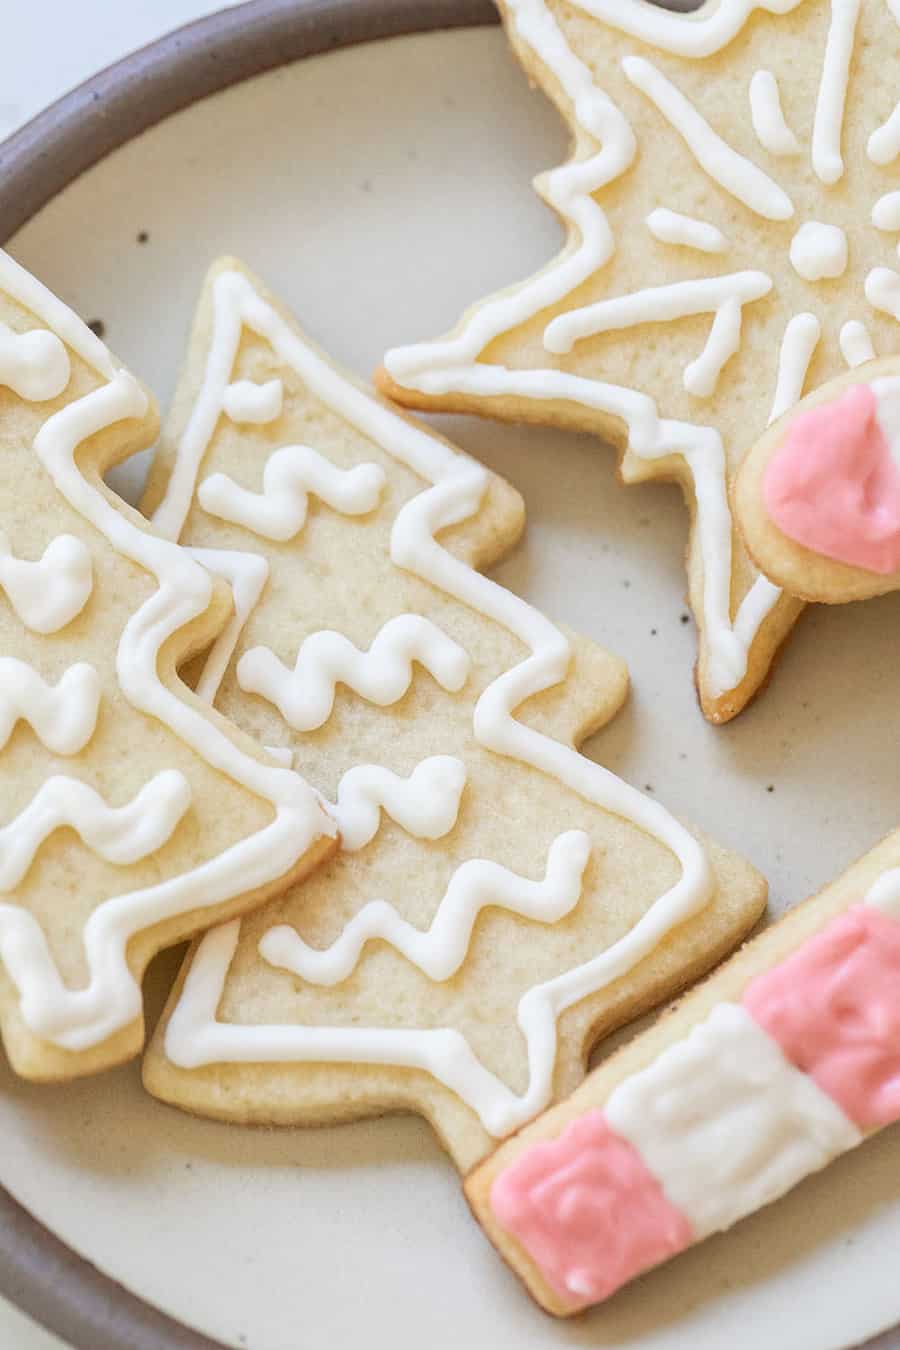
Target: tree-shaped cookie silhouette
{"points": [[501, 900], [133, 816]]}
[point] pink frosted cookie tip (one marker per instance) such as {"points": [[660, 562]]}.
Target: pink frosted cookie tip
{"points": [[587, 1211], [834, 486], [833, 1007]]}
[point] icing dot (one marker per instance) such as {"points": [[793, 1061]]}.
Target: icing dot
{"points": [[819, 251]]}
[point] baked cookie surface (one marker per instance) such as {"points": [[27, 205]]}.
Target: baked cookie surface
{"points": [[501, 900], [731, 227]]}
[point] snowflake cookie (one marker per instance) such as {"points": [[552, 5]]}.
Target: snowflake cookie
{"points": [[501, 901], [731, 233], [784, 1059], [132, 815]]}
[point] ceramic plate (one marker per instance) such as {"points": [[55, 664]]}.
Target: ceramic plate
{"points": [[380, 188]]}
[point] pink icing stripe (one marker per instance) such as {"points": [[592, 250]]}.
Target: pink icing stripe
{"points": [[833, 485], [587, 1211], [834, 1009]]}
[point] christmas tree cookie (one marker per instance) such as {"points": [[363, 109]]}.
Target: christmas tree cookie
{"points": [[501, 900], [132, 815], [732, 219], [784, 1059]]}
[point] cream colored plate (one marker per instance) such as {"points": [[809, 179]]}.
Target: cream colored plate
{"points": [[381, 189]]}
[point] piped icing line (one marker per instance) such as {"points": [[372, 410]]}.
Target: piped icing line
{"points": [[62, 716], [382, 675], [734, 173], [291, 474], [884, 143], [249, 402], [426, 804], [671, 227], [441, 950], [48, 594], [246, 574], [801, 337], [702, 35], [767, 116], [75, 1019], [662, 304], [828, 125], [833, 485], [856, 344], [451, 365], [34, 365], [118, 834], [193, 1035]]}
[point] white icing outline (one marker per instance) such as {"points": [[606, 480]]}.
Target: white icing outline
{"points": [[194, 1036], [76, 1019]]}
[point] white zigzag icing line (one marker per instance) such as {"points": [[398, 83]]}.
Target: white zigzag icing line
{"points": [[75, 1019], [194, 1036], [62, 716], [49, 593], [290, 476], [452, 366], [426, 804], [305, 695], [119, 834], [441, 950]]}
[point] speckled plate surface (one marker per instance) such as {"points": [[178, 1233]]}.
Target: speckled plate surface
{"points": [[380, 188]]}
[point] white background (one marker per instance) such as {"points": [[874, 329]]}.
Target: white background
{"points": [[86, 36]]}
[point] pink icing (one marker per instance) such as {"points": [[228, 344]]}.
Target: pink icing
{"points": [[834, 1009], [587, 1211], [834, 487]]}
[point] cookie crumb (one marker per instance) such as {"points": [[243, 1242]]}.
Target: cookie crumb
{"points": [[97, 327], [685, 618], [143, 236], [770, 788]]}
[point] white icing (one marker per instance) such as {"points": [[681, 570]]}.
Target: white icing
{"points": [[119, 834], [194, 1036], [247, 401], [63, 716], [698, 35], [819, 251], [885, 893], [246, 574], [290, 475], [884, 143], [48, 594], [722, 296], [883, 291], [670, 227], [382, 675], [887, 401], [733, 172], [829, 120], [111, 998], [886, 212], [772, 131], [426, 804], [856, 344], [801, 337], [441, 950], [725, 1123], [33, 365], [451, 365]]}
